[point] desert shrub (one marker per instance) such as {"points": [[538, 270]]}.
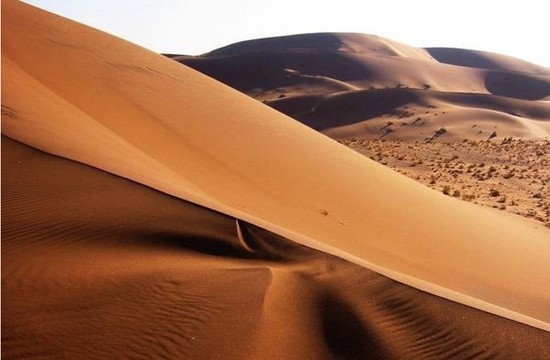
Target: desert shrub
{"points": [[494, 193]]}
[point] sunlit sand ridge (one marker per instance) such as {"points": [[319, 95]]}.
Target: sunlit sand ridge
{"points": [[81, 94], [96, 266]]}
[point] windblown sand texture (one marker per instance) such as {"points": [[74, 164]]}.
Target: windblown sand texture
{"points": [[95, 266], [149, 211]]}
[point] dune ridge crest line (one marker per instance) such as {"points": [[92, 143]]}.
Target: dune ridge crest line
{"points": [[118, 107], [348, 85]]}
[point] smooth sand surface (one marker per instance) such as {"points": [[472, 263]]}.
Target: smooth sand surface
{"points": [[95, 266], [84, 95], [403, 107], [484, 60]]}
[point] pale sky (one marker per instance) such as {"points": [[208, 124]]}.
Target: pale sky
{"points": [[516, 28]]}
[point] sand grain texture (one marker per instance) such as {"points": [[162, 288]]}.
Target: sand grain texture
{"points": [[94, 265], [81, 94]]}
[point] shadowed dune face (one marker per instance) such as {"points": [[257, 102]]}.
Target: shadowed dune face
{"points": [[484, 60], [84, 95], [254, 72], [412, 108], [351, 107], [519, 86], [364, 77], [95, 265]]}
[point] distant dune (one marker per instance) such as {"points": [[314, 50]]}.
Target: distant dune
{"points": [[485, 60], [149, 211], [352, 85]]}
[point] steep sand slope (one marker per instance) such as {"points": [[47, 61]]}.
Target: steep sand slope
{"points": [[95, 266], [79, 93], [484, 60], [351, 85]]}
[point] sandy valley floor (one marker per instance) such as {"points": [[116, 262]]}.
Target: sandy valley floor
{"points": [[511, 175]]}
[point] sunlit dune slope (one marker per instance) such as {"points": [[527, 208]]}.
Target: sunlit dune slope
{"points": [[76, 92], [95, 266], [367, 81]]}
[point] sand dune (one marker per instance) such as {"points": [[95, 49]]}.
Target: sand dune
{"points": [[84, 95], [123, 269], [329, 81], [484, 60], [355, 88], [212, 149]]}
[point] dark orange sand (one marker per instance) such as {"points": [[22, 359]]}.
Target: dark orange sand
{"points": [[98, 261], [96, 266]]}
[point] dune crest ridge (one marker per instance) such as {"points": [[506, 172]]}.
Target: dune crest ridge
{"points": [[81, 94], [125, 270], [364, 86]]}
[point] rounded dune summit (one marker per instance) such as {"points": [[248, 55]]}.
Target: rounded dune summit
{"points": [[427, 89], [256, 174], [175, 130]]}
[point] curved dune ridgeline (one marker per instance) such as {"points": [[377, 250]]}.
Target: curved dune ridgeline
{"points": [[187, 201], [351, 85], [95, 265]]}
